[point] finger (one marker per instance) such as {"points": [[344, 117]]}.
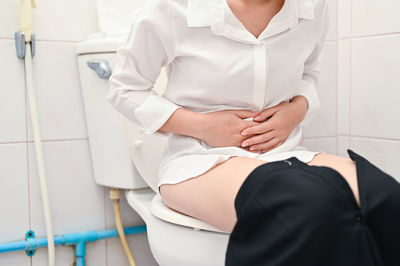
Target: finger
{"points": [[261, 138], [250, 123], [265, 146], [256, 151], [257, 129], [246, 149], [244, 113], [270, 149], [266, 113]]}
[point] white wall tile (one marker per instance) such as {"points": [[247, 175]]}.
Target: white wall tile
{"points": [[57, 91], [76, 202], [52, 19], [71, 20], [343, 90], [375, 87], [12, 93], [327, 145], [15, 258], [383, 153], [375, 17], [14, 207], [344, 17], [9, 14], [14, 218], [96, 253], [64, 255], [324, 123]]}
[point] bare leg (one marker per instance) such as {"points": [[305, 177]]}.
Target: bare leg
{"points": [[210, 197]]}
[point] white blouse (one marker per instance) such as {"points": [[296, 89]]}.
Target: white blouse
{"points": [[214, 63]]}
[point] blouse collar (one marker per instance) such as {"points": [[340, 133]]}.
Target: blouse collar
{"points": [[222, 21]]}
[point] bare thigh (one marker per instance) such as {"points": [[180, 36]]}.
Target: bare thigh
{"points": [[210, 197]]}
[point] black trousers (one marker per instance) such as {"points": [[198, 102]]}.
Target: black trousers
{"points": [[293, 214]]}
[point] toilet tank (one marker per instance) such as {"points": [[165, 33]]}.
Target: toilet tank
{"points": [[122, 155]]}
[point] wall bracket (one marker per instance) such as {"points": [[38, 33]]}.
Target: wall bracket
{"points": [[32, 244], [20, 44]]}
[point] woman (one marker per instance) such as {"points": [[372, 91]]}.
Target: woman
{"points": [[242, 78]]}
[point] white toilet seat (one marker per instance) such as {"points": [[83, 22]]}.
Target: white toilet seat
{"points": [[174, 244], [160, 210]]}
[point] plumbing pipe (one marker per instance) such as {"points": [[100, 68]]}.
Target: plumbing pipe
{"points": [[77, 239], [26, 28], [115, 195], [122, 237], [39, 154], [26, 17]]}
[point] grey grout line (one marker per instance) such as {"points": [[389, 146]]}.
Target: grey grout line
{"points": [[45, 40], [27, 152], [46, 140], [368, 36], [56, 140], [320, 137], [374, 138], [105, 225], [337, 76], [350, 69], [353, 136], [28, 176]]}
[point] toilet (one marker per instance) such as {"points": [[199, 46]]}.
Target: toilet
{"points": [[123, 157]]}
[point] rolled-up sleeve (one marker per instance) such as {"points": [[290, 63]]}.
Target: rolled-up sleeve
{"points": [[309, 82], [150, 45]]}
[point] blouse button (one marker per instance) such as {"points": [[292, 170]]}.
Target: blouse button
{"points": [[288, 162]]}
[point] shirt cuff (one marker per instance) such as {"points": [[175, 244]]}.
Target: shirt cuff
{"points": [[154, 112], [308, 90]]}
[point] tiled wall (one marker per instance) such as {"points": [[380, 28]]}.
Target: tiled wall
{"points": [[77, 203], [360, 88], [321, 133]]}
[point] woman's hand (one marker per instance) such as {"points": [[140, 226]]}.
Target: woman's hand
{"points": [[277, 123], [222, 128]]}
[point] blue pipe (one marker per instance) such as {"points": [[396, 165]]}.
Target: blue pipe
{"points": [[77, 239]]}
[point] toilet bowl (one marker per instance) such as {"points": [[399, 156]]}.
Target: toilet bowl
{"points": [[124, 157], [173, 243]]}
